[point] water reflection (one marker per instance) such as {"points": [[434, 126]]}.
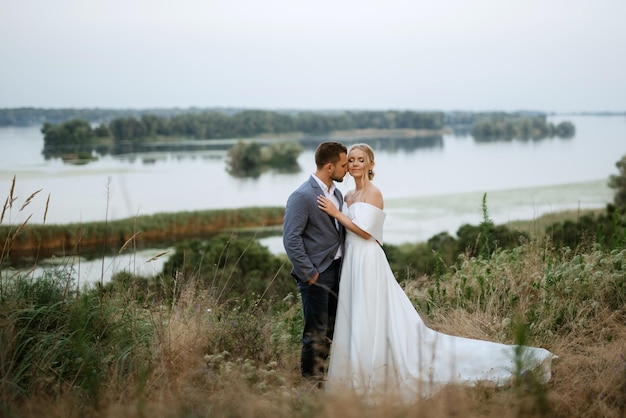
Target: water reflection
{"points": [[151, 152], [90, 153], [153, 158], [391, 144], [537, 139]]}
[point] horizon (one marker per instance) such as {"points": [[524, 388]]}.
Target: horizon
{"points": [[297, 109]]}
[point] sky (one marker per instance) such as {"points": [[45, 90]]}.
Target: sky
{"points": [[480, 55]]}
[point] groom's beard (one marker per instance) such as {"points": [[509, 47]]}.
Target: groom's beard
{"points": [[337, 179]]}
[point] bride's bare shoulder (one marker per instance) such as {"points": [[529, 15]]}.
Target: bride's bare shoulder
{"points": [[375, 197], [375, 190]]}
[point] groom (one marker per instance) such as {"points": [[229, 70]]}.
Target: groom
{"points": [[314, 244]]}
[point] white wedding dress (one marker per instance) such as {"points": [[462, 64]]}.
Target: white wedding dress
{"points": [[381, 346]]}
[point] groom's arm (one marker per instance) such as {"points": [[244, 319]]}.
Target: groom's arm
{"points": [[295, 221]]}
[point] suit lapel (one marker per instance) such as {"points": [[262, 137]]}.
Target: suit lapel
{"points": [[340, 200]]}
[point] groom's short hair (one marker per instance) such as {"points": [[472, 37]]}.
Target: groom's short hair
{"points": [[329, 152]]}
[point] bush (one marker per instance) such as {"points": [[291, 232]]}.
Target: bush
{"points": [[56, 339], [231, 267]]}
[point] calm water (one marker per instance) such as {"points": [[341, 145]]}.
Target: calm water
{"points": [[427, 189]]}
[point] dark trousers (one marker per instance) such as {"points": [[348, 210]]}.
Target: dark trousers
{"points": [[319, 307]]}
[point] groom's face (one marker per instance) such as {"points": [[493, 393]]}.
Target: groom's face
{"points": [[340, 169]]}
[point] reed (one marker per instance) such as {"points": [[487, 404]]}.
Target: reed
{"points": [[92, 239]]}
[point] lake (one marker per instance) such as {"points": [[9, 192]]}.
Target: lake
{"points": [[428, 187]]}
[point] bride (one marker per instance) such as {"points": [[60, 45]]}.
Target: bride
{"points": [[381, 346]]}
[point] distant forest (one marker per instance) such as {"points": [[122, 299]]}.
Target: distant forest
{"points": [[85, 126], [31, 116]]}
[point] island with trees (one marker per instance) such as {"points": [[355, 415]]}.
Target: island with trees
{"points": [[82, 140]]}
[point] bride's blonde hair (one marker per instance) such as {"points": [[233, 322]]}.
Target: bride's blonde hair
{"points": [[369, 156]]}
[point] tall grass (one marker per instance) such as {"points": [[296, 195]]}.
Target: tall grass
{"points": [[126, 351]]}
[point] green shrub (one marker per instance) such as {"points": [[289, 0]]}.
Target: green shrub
{"points": [[57, 339], [231, 267]]}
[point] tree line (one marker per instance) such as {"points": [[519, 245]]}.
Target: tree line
{"points": [[33, 116], [250, 123], [121, 135]]}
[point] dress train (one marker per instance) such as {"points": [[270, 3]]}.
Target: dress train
{"points": [[381, 346]]}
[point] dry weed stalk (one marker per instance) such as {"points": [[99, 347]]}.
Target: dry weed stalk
{"points": [[4, 209], [29, 199], [156, 257], [128, 242], [45, 213]]}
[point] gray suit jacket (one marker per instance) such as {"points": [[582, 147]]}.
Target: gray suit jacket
{"points": [[310, 237]]}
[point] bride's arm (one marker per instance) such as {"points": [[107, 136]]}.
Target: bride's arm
{"points": [[327, 206]]}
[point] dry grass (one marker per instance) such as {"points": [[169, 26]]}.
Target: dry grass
{"points": [[589, 378]]}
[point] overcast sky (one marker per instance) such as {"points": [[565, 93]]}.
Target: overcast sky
{"points": [[551, 55]]}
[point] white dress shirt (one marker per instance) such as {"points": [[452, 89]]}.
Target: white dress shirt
{"points": [[329, 192]]}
